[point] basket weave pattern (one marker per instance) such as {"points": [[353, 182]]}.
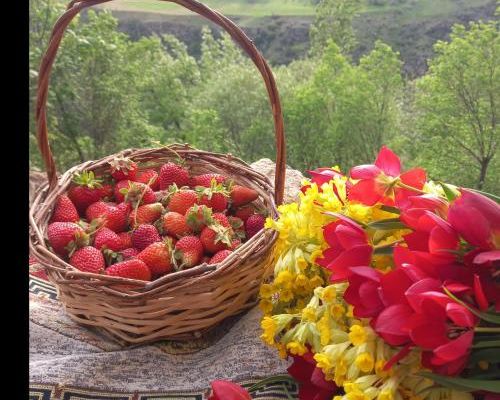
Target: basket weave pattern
{"points": [[183, 304]]}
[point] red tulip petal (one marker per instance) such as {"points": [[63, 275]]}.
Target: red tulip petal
{"points": [[394, 285], [225, 390], [397, 357], [318, 380], [460, 315], [366, 171], [349, 237], [456, 287], [388, 162], [415, 177], [367, 192], [430, 335], [389, 322], [417, 241], [414, 292], [442, 240], [402, 255], [481, 300], [487, 256], [455, 348], [307, 391], [471, 225], [330, 235], [300, 369], [353, 257]]}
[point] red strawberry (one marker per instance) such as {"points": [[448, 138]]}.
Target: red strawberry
{"points": [[128, 253], [65, 237], [123, 168], [132, 268], [244, 212], [235, 244], [145, 214], [254, 224], [205, 180], [182, 200], [215, 238], [241, 195], [214, 197], [149, 177], [188, 252], [171, 173], [144, 235], [134, 192], [86, 191], [105, 238], [157, 256], [115, 216], [205, 259], [221, 218], [175, 224], [64, 210], [88, 259], [126, 239], [107, 192], [220, 256], [197, 217]]}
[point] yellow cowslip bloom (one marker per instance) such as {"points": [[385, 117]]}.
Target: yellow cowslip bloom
{"points": [[337, 311], [284, 280], [323, 362], [301, 284], [357, 395], [379, 369], [285, 295], [386, 394], [365, 362], [329, 294], [269, 327], [316, 281], [323, 326], [340, 372], [357, 335], [266, 306], [296, 348], [309, 314], [266, 291], [302, 263]]}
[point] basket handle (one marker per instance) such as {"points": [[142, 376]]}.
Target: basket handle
{"points": [[75, 6]]}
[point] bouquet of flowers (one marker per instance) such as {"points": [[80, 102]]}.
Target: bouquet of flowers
{"points": [[386, 286]]}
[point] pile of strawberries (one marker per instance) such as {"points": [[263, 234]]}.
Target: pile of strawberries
{"points": [[143, 224]]}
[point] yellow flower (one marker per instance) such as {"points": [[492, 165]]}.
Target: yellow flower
{"points": [[316, 281], [379, 369], [302, 263], [309, 314], [269, 327], [329, 294], [266, 306], [365, 362], [301, 284], [286, 295], [284, 280], [324, 329], [337, 311], [386, 395], [296, 348], [357, 335], [323, 362], [266, 291]]}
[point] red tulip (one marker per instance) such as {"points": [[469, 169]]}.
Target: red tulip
{"points": [[225, 390], [324, 175], [363, 292], [312, 382], [378, 182], [349, 247], [477, 219]]}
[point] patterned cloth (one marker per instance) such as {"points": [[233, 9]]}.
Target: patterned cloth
{"points": [[72, 362]]}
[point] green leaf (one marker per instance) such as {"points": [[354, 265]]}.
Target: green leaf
{"points": [[387, 224], [464, 384], [385, 250], [450, 191], [494, 318], [484, 355], [390, 209], [486, 344]]}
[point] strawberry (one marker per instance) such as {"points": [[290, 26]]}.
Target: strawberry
{"points": [[219, 256], [132, 269], [221, 219], [115, 217], [105, 238], [205, 260], [235, 244], [241, 195], [128, 253], [188, 252], [126, 240], [149, 177], [175, 224], [205, 180], [171, 173], [64, 210], [197, 217], [86, 191], [144, 235], [123, 168], [214, 197], [254, 224], [157, 256], [215, 238], [107, 192], [244, 212], [134, 193], [162, 196], [145, 214], [65, 237], [88, 259], [182, 200]]}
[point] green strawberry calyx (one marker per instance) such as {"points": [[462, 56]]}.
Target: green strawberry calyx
{"points": [[87, 178]]}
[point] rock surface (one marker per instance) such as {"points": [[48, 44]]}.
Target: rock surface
{"points": [[293, 178]]}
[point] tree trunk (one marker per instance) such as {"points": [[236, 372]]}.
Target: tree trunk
{"points": [[482, 173]]}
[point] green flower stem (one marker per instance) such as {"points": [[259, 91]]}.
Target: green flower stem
{"points": [[486, 329]]}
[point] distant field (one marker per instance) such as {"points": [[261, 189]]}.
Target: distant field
{"points": [[261, 8]]}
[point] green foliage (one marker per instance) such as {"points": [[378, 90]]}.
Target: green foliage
{"points": [[333, 22], [458, 103]]}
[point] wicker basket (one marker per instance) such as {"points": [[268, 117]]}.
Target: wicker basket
{"points": [[184, 304]]}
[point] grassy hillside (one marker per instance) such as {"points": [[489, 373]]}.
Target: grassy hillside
{"points": [[259, 8]]}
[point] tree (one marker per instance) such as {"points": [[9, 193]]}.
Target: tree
{"points": [[333, 21], [458, 104]]}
